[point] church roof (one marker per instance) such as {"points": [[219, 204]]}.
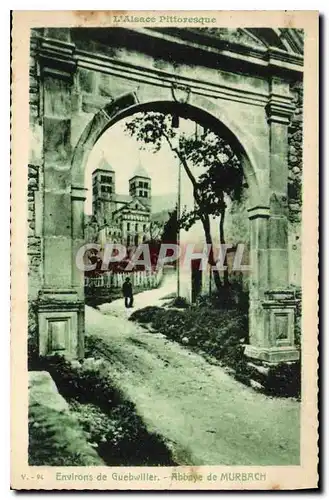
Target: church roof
{"points": [[104, 165], [140, 172], [132, 206], [123, 198]]}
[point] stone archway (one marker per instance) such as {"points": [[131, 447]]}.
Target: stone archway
{"points": [[127, 105], [262, 142]]}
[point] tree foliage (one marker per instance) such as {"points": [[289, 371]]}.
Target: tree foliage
{"points": [[170, 228]]}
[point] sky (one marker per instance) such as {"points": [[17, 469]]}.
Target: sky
{"points": [[123, 154]]}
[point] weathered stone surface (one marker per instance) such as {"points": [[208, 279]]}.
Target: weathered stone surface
{"points": [[62, 34], [278, 268], [57, 101], [278, 232], [57, 214], [92, 103], [259, 233], [295, 156], [32, 183], [57, 140], [43, 391], [57, 179], [58, 263], [87, 80], [104, 85], [259, 273], [278, 138]]}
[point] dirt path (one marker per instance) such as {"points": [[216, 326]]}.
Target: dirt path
{"points": [[204, 415], [149, 297]]}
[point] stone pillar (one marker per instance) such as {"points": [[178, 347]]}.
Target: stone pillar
{"points": [[78, 196], [272, 303], [60, 307]]}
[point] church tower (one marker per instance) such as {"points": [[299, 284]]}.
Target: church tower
{"points": [[140, 186], [103, 179]]}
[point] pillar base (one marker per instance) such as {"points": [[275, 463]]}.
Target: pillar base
{"points": [[61, 323], [273, 354], [271, 328]]}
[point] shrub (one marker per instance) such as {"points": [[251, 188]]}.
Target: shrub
{"points": [[171, 295], [145, 315], [179, 302], [32, 335], [298, 329], [284, 379], [230, 297]]}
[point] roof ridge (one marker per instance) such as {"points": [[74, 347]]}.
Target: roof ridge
{"points": [[140, 171]]}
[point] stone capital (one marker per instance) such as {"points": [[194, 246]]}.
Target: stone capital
{"points": [[78, 193], [275, 298], [259, 212], [279, 109], [281, 60], [57, 57]]}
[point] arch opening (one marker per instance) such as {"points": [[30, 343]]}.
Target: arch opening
{"points": [[128, 105], [107, 118]]}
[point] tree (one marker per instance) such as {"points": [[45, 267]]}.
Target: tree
{"points": [[155, 231], [220, 170], [171, 228]]}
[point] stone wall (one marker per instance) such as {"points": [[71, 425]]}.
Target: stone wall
{"points": [[34, 199], [34, 250], [34, 239], [295, 155], [295, 162]]}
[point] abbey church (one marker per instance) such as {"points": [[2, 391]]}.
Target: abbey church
{"points": [[121, 218]]}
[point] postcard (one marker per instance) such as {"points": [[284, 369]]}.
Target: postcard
{"points": [[164, 250]]}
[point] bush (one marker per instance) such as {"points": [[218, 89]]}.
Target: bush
{"points": [[298, 322], [179, 302], [32, 335], [230, 297], [145, 315], [284, 379]]}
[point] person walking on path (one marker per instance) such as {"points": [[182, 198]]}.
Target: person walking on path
{"points": [[127, 291]]}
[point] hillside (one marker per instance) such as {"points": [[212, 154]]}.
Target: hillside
{"points": [[163, 203]]}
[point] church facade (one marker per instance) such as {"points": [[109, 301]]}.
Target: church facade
{"points": [[121, 218]]}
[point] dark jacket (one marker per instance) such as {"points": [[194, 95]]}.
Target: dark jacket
{"points": [[127, 289]]}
